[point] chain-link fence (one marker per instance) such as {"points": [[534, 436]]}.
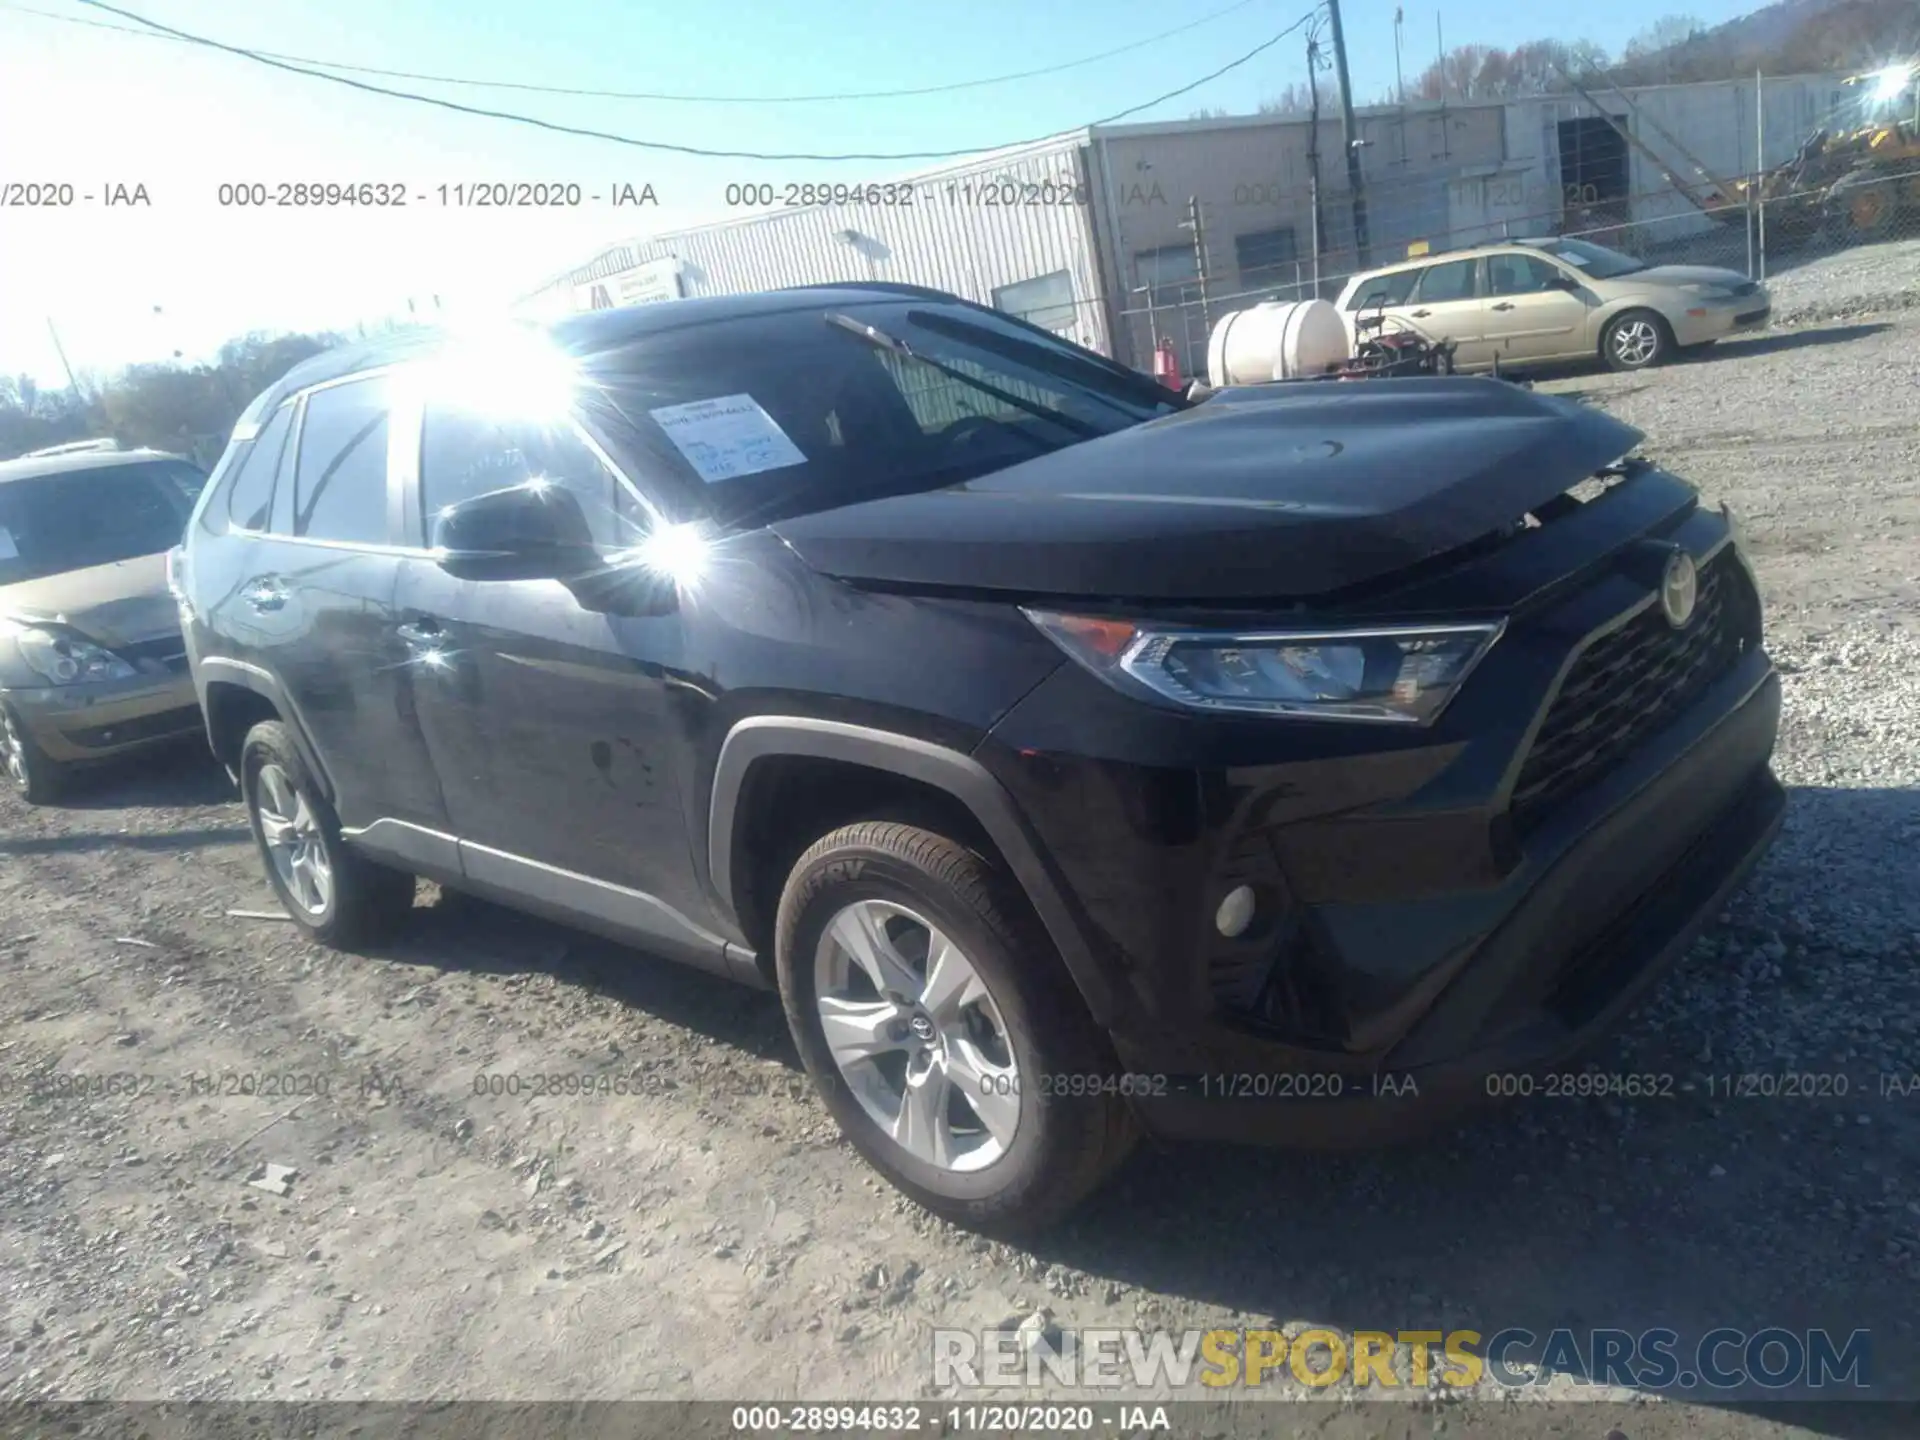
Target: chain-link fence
{"points": [[1760, 230]]}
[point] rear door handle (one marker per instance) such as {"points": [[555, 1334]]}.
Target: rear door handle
{"points": [[420, 632], [1504, 305], [265, 595], [1421, 314]]}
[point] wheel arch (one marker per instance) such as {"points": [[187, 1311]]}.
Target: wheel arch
{"points": [[941, 784], [234, 697]]}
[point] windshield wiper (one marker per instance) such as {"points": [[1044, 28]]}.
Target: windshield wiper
{"points": [[893, 345]]}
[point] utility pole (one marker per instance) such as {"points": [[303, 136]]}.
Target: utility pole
{"points": [[1399, 84], [1350, 138], [61, 351], [1760, 162], [1313, 155]]}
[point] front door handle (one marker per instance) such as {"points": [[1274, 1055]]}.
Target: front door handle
{"points": [[1504, 305], [1421, 314], [420, 632], [265, 595]]}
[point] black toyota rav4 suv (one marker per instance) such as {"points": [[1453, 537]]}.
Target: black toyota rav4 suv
{"points": [[1077, 762]]}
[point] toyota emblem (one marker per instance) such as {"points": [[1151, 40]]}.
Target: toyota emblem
{"points": [[1679, 589]]}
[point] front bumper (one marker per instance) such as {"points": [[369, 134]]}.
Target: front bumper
{"points": [[76, 723], [1700, 324], [1550, 990], [1425, 926]]}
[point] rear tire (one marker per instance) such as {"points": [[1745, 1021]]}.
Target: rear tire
{"points": [[25, 766], [1637, 340], [956, 1078], [330, 890]]}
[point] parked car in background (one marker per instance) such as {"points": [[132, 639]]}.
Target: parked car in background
{"points": [[1073, 760], [91, 660], [1529, 302]]}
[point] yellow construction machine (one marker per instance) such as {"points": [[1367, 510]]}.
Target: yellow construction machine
{"points": [[1852, 182]]}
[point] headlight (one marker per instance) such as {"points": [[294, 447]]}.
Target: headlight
{"points": [[1403, 675], [68, 660]]}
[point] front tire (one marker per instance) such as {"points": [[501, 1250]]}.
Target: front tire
{"points": [[26, 768], [329, 889], [941, 1030], [1637, 340]]}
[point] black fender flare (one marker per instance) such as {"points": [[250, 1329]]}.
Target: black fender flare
{"points": [[961, 776], [221, 670]]}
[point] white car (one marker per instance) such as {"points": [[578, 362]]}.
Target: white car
{"points": [[1524, 302]]}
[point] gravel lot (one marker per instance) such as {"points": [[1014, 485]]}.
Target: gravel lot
{"points": [[710, 1235]]}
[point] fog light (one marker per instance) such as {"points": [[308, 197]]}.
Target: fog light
{"points": [[1236, 912]]}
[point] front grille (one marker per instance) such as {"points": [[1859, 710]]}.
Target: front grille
{"points": [[1752, 317], [1629, 685]]}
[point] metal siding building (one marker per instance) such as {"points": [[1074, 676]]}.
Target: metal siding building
{"points": [[1123, 270], [947, 239], [1252, 177]]}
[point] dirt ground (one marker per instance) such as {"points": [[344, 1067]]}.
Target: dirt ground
{"points": [[706, 1234]]}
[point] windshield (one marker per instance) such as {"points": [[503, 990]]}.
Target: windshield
{"points": [[1595, 260], [778, 415], [69, 521]]}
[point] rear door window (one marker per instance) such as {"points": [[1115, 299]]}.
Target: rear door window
{"points": [[340, 479], [1455, 280]]}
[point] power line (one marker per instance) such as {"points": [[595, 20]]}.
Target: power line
{"points": [[628, 140], [663, 96]]}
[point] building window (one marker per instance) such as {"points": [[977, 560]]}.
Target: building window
{"points": [[1267, 258], [1171, 274], [1046, 301]]}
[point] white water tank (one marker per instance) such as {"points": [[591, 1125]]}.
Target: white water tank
{"points": [[1276, 340]]}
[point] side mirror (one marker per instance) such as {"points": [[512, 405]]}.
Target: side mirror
{"points": [[525, 532], [1563, 282]]}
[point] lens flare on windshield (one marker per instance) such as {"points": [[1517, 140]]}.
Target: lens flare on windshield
{"points": [[680, 553]]}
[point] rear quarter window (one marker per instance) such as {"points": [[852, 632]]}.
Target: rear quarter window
{"points": [[248, 501]]}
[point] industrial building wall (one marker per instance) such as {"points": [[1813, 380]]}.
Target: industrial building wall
{"points": [[1013, 231], [1713, 121], [1252, 178]]}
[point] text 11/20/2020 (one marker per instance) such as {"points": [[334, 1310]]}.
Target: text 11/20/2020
{"points": [[453, 195], [1003, 193]]}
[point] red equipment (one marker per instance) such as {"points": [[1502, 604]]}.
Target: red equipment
{"points": [[1166, 365]]}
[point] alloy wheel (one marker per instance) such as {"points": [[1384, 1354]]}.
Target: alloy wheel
{"points": [[1636, 342], [295, 842], [917, 1036], [14, 746]]}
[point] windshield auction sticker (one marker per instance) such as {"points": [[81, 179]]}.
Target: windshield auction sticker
{"points": [[728, 437]]}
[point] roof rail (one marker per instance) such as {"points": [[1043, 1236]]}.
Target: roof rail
{"points": [[74, 447], [887, 287]]}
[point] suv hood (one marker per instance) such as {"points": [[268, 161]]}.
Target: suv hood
{"points": [[1260, 493], [118, 604]]}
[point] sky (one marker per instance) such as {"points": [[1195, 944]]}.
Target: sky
{"points": [[99, 108]]}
